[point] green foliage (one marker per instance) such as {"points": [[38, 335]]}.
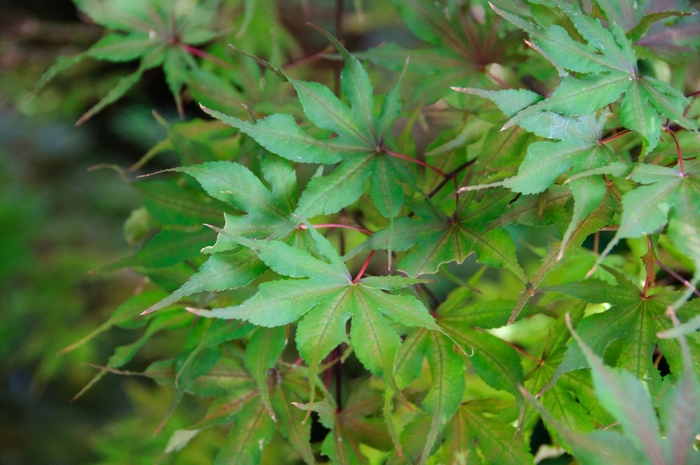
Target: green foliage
{"points": [[382, 340]]}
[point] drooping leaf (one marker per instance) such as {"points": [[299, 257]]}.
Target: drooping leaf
{"points": [[151, 31], [167, 248]]}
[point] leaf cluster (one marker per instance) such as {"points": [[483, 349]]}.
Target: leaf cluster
{"points": [[333, 272]]}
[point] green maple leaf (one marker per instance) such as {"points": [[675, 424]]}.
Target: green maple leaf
{"points": [[448, 383], [608, 66], [463, 42], [633, 318], [229, 266], [324, 293], [667, 195], [267, 208], [362, 146], [243, 405], [442, 238], [579, 151], [493, 359], [156, 32], [625, 397], [473, 433], [571, 401], [357, 422]]}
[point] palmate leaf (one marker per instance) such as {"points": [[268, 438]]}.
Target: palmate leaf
{"points": [[571, 400], [493, 360], [356, 422], [628, 400], [267, 208], [360, 146], [610, 69], [471, 434], [154, 31], [327, 298], [443, 238], [669, 195], [241, 404], [578, 151], [633, 318], [464, 40], [447, 388]]}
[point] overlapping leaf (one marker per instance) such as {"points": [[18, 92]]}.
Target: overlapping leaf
{"points": [[609, 67], [463, 40], [443, 238], [157, 32], [579, 150], [327, 296], [356, 422], [361, 144], [633, 318], [628, 400], [667, 195]]}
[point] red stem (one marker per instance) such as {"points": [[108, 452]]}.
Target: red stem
{"points": [[338, 226], [415, 160], [207, 56], [678, 151], [500, 81], [364, 267], [613, 137], [680, 278], [692, 95]]}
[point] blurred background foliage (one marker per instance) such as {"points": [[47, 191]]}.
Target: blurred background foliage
{"points": [[60, 218]]}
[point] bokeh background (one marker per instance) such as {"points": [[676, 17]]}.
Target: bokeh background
{"points": [[61, 214]]}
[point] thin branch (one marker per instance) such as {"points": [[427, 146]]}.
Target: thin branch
{"points": [[449, 176], [364, 267], [338, 375], [207, 56], [308, 59], [498, 80], [679, 278], [414, 160], [678, 151], [613, 137]]}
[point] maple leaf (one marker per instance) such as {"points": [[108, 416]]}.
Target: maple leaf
{"points": [[463, 40], [648, 27], [363, 145], [608, 65], [356, 423], [243, 405], [633, 318], [579, 412], [579, 151], [444, 238], [267, 208], [627, 398], [474, 433], [667, 194], [327, 297], [448, 384], [156, 32], [231, 184]]}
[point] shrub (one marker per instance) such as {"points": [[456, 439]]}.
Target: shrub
{"points": [[321, 253]]}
